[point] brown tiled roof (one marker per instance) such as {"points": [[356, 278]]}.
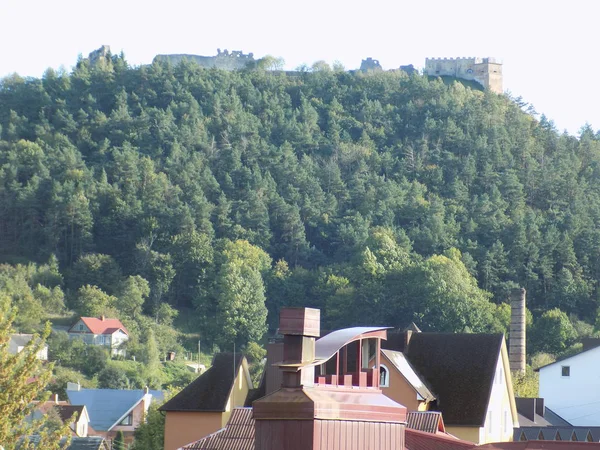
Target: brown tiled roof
{"points": [[460, 369], [238, 434], [66, 411], [211, 390], [420, 440], [428, 421]]}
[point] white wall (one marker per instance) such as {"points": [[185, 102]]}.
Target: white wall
{"points": [[500, 429], [575, 398]]}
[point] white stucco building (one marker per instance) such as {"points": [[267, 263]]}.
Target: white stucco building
{"points": [[571, 387]]}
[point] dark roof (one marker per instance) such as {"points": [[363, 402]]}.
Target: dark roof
{"points": [[259, 392], [77, 443], [552, 433], [211, 390], [554, 418], [66, 412], [427, 421], [238, 434], [460, 369], [420, 440], [546, 445]]}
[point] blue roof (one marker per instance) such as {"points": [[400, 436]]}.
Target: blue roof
{"points": [[106, 406]]}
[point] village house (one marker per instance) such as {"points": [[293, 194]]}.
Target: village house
{"points": [[18, 342], [570, 386], [113, 410], [205, 405], [464, 376], [328, 398], [101, 331]]}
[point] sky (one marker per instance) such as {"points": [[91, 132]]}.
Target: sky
{"points": [[546, 46]]}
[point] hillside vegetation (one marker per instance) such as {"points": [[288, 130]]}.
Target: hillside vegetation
{"points": [[379, 198]]}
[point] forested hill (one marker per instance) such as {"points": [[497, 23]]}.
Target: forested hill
{"points": [[380, 198]]}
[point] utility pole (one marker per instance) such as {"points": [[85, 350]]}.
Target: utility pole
{"points": [[198, 356]]}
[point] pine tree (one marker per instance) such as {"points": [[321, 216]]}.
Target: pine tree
{"points": [[119, 442]]}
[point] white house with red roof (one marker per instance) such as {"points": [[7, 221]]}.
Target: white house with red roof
{"points": [[101, 331]]}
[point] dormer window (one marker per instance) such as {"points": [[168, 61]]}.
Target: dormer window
{"points": [[384, 376], [566, 371]]}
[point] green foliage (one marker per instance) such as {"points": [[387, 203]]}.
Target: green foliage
{"points": [[93, 302], [527, 384], [23, 378], [240, 293], [150, 435], [112, 377], [553, 332], [119, 442], [358, 185]]}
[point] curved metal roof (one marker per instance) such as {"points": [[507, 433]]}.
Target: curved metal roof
{"points": [[328, 345]]}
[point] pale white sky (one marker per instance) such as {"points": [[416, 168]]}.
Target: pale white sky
{"points": [[546, 46]]}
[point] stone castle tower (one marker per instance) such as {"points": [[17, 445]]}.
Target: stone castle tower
{"points": [[485, 71]]}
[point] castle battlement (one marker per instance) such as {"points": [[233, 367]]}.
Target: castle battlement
{"points": [[485, 71]]}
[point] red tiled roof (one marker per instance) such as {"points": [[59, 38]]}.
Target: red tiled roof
{"points": [[238, 434], [99, 325], [420, 440]]}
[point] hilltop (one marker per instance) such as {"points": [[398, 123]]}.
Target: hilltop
{"points": [[378, 197]]}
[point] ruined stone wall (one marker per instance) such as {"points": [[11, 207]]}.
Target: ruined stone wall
{"points": [[486, 71], [225, 60]]}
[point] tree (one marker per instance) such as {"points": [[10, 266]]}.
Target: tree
{"points": [[22, 380], [119, 442], [240, 294], [552, 332], [93, 302], [150, 435], [132, 294]]}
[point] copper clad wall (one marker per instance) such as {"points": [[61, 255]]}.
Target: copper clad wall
{"points": [[284, 435], [300, 321], [274, 374], [328, 435], [353, 435]]}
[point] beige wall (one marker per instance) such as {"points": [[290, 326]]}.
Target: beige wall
{"points": [[471, 434], [399, 390], [181, 427]]}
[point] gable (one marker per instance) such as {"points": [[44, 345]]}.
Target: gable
{"points": [[585, 358], [105, 406], [460, 369], [79, 327], [211, 390]]}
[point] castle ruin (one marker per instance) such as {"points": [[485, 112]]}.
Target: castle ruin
{"points": [[485, 71], [224, 60]]}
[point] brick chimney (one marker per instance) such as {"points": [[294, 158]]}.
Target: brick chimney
{"points": [[516, 341]]}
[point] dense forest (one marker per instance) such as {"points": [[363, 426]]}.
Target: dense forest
{"points": [[381, 198]]}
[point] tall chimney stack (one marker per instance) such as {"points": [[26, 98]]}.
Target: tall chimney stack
{"points": [[516, 340], [300, 327]]}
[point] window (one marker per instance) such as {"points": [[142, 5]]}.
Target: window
{"points": [[566, 371], [80, 327], [127, 420], [505, 421], [489, 421], [384, 376]]}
